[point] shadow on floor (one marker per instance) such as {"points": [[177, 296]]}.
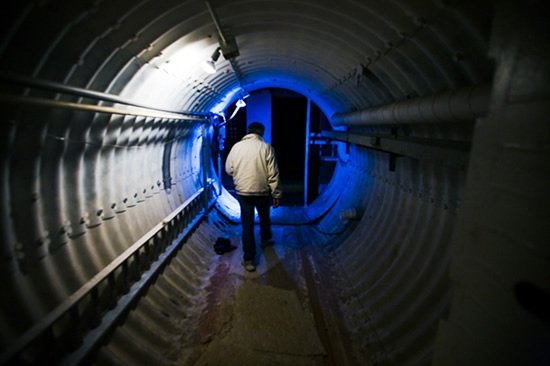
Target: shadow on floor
{"points": [[268, 317]]}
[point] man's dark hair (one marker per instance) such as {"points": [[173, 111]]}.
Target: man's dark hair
{"points": [[257, 128]]}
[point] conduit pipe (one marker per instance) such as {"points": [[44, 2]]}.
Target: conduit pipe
{"points": [[25, 81], [124, 110], [459, 105]]}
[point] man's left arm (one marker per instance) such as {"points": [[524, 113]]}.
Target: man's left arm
{"points": [[229, 164]]}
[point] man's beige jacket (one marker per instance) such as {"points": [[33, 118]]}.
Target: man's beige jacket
{"points": [[253, 166]]}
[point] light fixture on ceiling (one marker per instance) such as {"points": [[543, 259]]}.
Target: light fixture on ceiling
{"points": [[240, 103], [209, 65]]}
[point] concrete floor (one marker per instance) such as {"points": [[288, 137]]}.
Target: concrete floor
{"points": [[283, 314]]}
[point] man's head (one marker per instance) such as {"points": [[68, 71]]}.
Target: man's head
{"points": [[257, 128]]}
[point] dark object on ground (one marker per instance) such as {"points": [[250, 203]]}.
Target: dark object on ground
{"points": [[223, 245]]}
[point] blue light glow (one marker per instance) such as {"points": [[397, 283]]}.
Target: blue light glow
{"points": [[326, 104]]}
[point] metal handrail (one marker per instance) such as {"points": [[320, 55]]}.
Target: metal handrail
{"points": [[73, 300], [127, 111], [72, 90], [170, 232]]}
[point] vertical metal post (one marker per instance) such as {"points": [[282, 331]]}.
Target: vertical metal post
{"points": [[204, 165], [219, 172], [220, 145], [306, 158]]}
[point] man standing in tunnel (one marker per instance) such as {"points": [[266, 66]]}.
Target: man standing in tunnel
{"points": [[253, 166]]}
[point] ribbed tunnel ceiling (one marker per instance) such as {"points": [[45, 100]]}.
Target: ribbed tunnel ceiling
{"points": [[344, 55]]}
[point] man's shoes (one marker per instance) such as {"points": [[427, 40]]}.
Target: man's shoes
{"points": [[267, 242], [249, 266]]}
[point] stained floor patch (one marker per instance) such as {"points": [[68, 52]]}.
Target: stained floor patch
{"points": [[275, 320], [268, 327]]}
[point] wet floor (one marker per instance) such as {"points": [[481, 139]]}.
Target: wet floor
{"points": [[285, 313]]}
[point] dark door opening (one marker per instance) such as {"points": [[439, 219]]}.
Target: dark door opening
{"points": [[289, 111]]}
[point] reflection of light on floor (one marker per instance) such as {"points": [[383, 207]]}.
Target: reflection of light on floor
{"points": [[229, 205]]}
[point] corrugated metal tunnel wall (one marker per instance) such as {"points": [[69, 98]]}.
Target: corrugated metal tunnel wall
{"points": [[443, 106]]}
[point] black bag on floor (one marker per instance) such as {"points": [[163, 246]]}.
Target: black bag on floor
{"points": [[223, 245]]}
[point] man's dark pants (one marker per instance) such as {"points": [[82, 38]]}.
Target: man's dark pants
{"points": [[248, 203]]}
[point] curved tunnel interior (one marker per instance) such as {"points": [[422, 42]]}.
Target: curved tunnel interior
{"points": [[415, 227]]}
